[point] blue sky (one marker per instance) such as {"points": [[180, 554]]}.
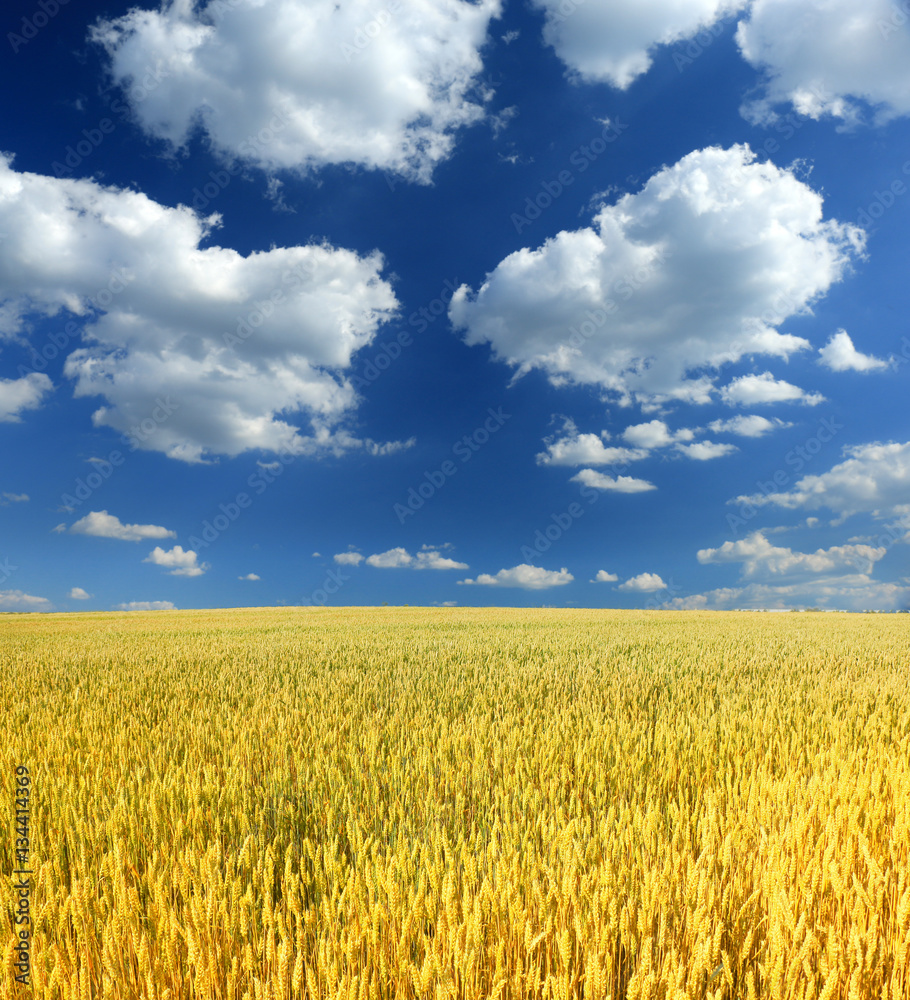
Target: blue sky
{"points": [[580, 303]]}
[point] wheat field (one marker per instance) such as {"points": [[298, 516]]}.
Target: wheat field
{"points": [[459, 803]]}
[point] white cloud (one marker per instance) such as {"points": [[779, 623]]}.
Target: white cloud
{"points": [[621, 484], [825, 56], [611, 41], [178, 561], [873, 478], [18, 600], [653, 434], [604, 577], [78, 594], [644, 583], [748, 425], [854, 592], [760, 558], [396, 558], [349, 558], [147, 606], [18, 394], [749, 390], [431, 559], [840, 355], [523, 576], [399, 558], [250, 576], [7, 498], [103, 525], [694, 271], [197, 351], [297, 84], [584, 449], [702, 451]]}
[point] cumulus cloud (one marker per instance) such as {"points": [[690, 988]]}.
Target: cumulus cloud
{"points": [[584, 449], [197, 351], [620, 484], [348, 558], [748, 425], [18, 394], [178, 561], [147, 606], [840, 355], [653, 434], [702, 451], [399, 558], [607, 40], [298, 84], [523, 576], [644, 583], [249, 576], [78, 594], [873, 478], [853, 592], [828, 58], [604, 577], [103, 525], [749, 390], [18, 600], [760, 558], [696, 270]]}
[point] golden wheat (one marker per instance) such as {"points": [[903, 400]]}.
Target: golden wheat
{"points": [[380, 804]]}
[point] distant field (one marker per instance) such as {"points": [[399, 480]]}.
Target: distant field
{"points": [[459, 803]]}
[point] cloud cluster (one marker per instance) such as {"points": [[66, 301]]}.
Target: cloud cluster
{"points": [[749, 425], [695, 271], [298, 84], [103, 525], [524, 577], [197, 351], [840, 355], [752, 390], [759, 558], [177, 561], [828, 58], [873, 478], [644, 583], [147, 606], [18, 394], [18, 600], [428, 557], [611, 40]]}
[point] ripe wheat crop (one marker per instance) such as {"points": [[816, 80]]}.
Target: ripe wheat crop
{"points": [[414, 803]]}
